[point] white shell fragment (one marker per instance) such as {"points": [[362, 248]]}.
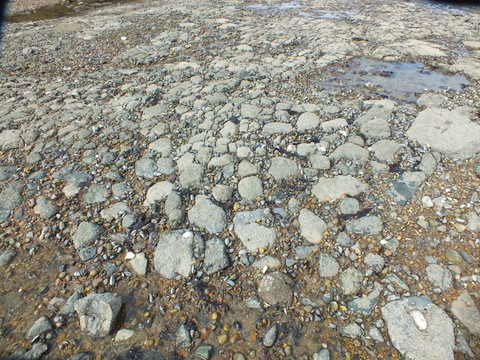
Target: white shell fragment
{"points": [[419, 320]]}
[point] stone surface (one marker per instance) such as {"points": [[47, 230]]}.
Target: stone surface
{"points": [[250, 187], [312, 227], [418, 318], [334, 188], [45, 208], [205, 214], [351, 280], [464, 308], [446, 132], [367, 225], [406, 185], [174, 253], [7, 256], [439, 276], [216, 257], [10, 198], [98, 313], [42, 325], [327, 266], [282, 168], [158, 192], [86, 234], [307, 121], [253, 235], [275, 290], [139, 264]]}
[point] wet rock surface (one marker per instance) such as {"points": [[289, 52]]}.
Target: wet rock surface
{"points": [[255, 180]]}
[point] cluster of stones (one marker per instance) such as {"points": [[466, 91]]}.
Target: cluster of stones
{"points": [[213, 167]]}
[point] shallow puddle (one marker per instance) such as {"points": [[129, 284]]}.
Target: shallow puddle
{"points": [[398, 80]]}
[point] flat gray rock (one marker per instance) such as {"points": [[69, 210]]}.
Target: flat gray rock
{"points": [[76, 182], [282, 168], [270, 337], [191, 176], [447, 132], [276, 128], [349, 151], [86, 234], [439, 276], [366, 304], [45, 208], [96, 194], [349, 206], [205, 214], [385, 150], [367, 225], [10, 139], [351, 280], [68, 308], [115, 211], [246, 168], [87, 253], [419, 329], [98, 313], [352, 330], [312, 226], [406, 185], [250, 187], [139, 264], [146, 168], [466, 311], [327, 266], [162, 146], [253, 235], [42, 325], [377, 128], [35, 353], [334, 188], [174, 253], [323, 354], [374, 113], [158, 192], [222, 193], [319, 162], [275, 289], [7, 256], [216, 257], [374, 262], [307, 121], [10, 198], [174, 210]]}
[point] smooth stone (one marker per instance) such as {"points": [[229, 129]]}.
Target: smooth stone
{"points": [[123, 335], [115, 211], [42, 325], [374, 262], [250, 187], [323, 354], [174, 210], [222, 193], [204, 351], [45, 208], [282, 168], [352, 330], [406, 185], [253, 235], [439, 276], [367, 303], [192, 176], [307, 121], [270, 337], [87, 253], [68, 308], [349, 206], [145, 168], [96, 194], [10, 198], [139, 264], [367, 225], [349, 151], [76, 182]]}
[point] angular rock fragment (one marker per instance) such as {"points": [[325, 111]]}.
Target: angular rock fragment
{"points": [[467, 312], [205, 214], [334, 188], [419, 329], [312, 226], [98, 313], [174, 253], [253, 235]]}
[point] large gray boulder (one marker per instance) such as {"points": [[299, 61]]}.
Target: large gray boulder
{"points": [[447, 132], [419, 329], [98, 313]]}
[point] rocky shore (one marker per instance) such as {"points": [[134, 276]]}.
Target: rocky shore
{"points": [[241, 180]]}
